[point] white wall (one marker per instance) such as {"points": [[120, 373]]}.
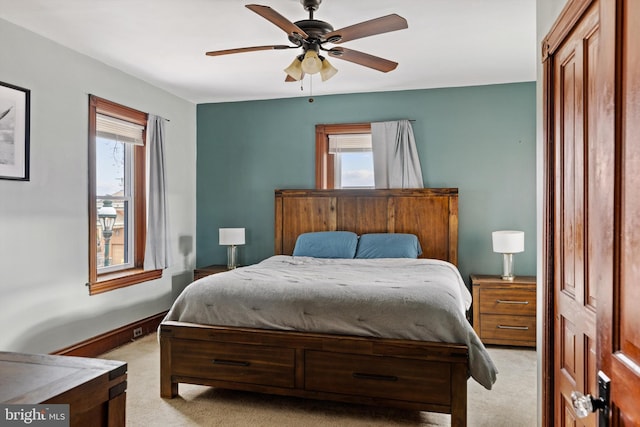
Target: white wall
{"points": [[547, 11], [44, 303]]}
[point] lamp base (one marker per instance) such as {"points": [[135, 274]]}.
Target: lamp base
{"points": [[232, 257], [507, 267]]}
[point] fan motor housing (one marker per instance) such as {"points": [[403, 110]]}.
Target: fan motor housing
{"points": [[315, 28]]}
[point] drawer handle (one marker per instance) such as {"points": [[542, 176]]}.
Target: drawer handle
{"points": [[517, 328], [504, 301], [230, 362], [363, 376]]}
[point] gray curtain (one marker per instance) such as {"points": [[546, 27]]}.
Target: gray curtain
{"points": [[157, 252], [395, 157]]}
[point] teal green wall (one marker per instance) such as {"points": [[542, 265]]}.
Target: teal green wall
{"points": [[479, 139]]}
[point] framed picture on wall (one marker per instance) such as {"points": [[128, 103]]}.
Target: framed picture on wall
{"points": [[14, 132]]}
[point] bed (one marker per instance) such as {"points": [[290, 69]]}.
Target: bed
{"points": [[317, 353]]}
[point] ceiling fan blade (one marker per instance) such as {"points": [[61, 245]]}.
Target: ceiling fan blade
{"points": [[362, 58], [275, 18], [248, 49], [380, 25]]}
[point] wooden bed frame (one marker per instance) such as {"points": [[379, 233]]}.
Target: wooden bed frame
{"points": [[415, 375]]}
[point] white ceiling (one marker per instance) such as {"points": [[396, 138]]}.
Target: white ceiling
{"points": [[448, 43]]}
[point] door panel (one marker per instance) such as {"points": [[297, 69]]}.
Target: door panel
{"points": [[618, 315], [592, 93], [630, 197], [575, 294]]}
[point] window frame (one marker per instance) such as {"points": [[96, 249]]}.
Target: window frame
{"points": [[325, 161], [104, 282]]}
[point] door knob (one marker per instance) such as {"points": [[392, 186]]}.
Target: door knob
{"points": [[584, 405]]}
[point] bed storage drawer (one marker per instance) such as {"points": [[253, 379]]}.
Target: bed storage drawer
{"points": [[377, 376], [234, 362]]}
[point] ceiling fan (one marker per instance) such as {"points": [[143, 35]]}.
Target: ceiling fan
{"points": [[312, 34]]}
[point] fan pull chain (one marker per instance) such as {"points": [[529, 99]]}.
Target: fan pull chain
{"points": [[310, 88]]}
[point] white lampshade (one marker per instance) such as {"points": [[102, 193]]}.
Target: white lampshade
{"points": [[508, 241], [232, 236]]}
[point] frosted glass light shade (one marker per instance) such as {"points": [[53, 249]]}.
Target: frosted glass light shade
{"points": [[231, 236], [295, 69], [508, 241], [327, 70], [311, 64]]}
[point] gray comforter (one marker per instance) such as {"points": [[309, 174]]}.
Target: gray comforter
{"points": [[415, 299]]}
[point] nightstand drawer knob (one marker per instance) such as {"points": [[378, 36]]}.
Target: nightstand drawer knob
{"points": [[504, 301], [517, 328]]}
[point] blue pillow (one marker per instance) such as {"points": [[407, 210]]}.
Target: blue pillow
{"points": [[326, 244], [388, 245]]}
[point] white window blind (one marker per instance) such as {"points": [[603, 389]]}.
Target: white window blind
{"points": [[349, 143], [120, 130]]}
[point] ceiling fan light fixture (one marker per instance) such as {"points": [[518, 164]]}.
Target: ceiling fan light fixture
{"points": [[311, 35], [327, 71], [311, 64], [295, 69]]}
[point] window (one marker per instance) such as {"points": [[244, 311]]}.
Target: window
{"points": [[117, 196], [353, 160], [115, 170], [343, 156]]}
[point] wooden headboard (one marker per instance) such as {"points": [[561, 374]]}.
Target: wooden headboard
{"points": [[429, 213]]}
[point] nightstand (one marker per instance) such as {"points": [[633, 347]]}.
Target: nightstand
{"points": [[504, 312], [199, 273]]}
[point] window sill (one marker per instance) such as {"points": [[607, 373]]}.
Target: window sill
{"points": [[121, 279]]}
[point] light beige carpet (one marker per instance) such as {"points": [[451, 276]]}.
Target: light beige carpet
{"points": [[511, 403]]}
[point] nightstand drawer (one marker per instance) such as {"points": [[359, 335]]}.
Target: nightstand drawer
{"points": [[504, 329], [509, 301]]}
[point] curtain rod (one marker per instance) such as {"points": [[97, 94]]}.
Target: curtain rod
{"points": [[158, 115]]}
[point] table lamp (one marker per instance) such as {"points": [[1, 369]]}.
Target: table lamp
{"points": [[508, 242], [231, 237]]}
